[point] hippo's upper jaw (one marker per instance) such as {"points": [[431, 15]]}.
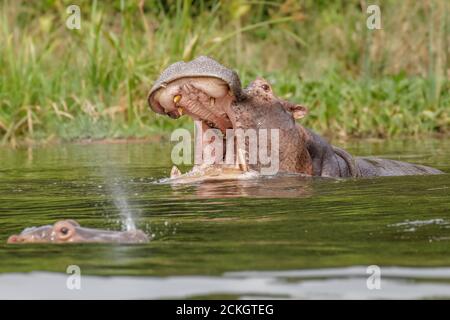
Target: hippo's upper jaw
{"points": [[69, 231], [202, 89], [211, 93]]}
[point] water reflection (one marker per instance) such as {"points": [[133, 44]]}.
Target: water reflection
{"points": [[333, 283], [282, 186]]}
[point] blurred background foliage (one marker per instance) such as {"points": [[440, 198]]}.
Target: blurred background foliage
{"points": [[57, 83]]}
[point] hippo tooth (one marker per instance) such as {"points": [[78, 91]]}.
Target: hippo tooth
{"points": [[241, 160], [175, 172], [180, 111], [176, 98]]}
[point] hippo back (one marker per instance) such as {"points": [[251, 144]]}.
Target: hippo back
{"points": [[371, 166]]}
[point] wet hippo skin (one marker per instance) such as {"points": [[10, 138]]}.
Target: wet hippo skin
{"points": [[211, 93], [69, 231]]}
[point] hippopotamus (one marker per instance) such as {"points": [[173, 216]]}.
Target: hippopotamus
{"points": [[212, 95], [69, 231]]}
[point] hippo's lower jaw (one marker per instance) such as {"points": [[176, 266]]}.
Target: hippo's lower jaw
{"points": [[205, 173], [69, 231]]}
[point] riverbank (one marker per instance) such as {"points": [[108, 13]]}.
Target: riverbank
{"points": [[62, 84]]}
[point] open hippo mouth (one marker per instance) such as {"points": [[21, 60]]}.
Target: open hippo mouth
{"points": [[202, 89], [212, 95]]}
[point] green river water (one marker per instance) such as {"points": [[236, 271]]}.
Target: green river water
{"points": [[279, 237]]}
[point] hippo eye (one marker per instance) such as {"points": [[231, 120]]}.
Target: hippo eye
{"points": [[64, 230], [265, 87]]}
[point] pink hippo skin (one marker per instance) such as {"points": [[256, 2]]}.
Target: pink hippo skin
{"points": [[69, 231]]}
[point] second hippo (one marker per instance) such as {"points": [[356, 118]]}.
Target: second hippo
{"points": [[70, 231]]}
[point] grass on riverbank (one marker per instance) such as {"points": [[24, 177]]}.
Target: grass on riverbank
{"points": [[92, 83]]}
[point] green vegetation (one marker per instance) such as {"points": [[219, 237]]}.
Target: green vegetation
{"points": [[70, 84]]}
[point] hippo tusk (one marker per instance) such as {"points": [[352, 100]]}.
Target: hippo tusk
{"points": [[241, 160], [175, 172], [177, 99]]}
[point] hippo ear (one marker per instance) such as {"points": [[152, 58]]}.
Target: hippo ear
{"points": [[73, 222], [298, 111]]}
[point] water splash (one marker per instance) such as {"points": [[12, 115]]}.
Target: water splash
{"points": [[119, 197], [120, 201]]}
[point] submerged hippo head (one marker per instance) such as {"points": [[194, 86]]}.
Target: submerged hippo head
{"points": [[211, 93], [69, 231]]}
